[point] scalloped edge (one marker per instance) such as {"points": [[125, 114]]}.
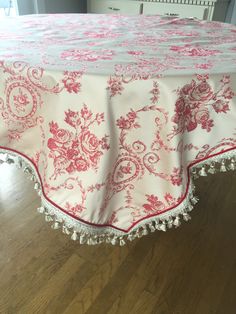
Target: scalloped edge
{"points": [[92, 235]]}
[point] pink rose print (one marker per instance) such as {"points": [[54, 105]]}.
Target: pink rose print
{"points": [[124, 170], [176, 176], [73, 118], [78, 150], [202, 117], [89, 142], [154, 205], [59, 135], [228, 93], [71, 81], [194, 51], [81, 164], [102, 34], [221, 106], [129, 122], [115, 86], [135, 53], [192, 105], [87, 55], [74, 210], [225, 79], [21, 101], [204, 66]]}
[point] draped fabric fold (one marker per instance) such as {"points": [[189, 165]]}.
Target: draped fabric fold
{"points": [[113, 117]]}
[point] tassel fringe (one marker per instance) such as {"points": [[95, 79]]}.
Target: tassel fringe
{"points": [[87, 235]]}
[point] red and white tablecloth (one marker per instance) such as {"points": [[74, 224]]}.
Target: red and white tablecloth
{"points": [[113, 116]]}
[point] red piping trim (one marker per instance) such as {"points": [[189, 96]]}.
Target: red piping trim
{"points": [[107, 225]]}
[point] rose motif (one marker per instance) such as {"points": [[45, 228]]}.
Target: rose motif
{"points": [[154, 204], [191, 125], [115, 86], [95, 157], [195, 98], [201, 92], [21, 99], [79, 150], [71, 153], [186, 89], [202, 115], [123, 123], [126, 170], [135, 53], [180, 106], [132, 115], [81, 164], [176, 178], [52, 144], [71, 85], [89, 142], [87, 55], [221, 106], [70, 168], [62, 136]]}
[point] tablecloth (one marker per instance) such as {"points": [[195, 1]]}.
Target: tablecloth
{"points": [[112, 117]]}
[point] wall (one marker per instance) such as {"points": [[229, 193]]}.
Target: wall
{"points": [[65, 6], [25, 7], [231, 13], [233, 17], [51, 6]]}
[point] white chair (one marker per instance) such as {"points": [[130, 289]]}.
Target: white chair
{"points": [[6, 5]]}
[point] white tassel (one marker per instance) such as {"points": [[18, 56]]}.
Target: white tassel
{"points": [[222, 167], [170, 223], [27, 170], [33, 178], [232, 164], [186, 217], [145, 231], [122, 241], [48, 218], [151, 227], [90, 241], [65, 230], [108, 239], [83, 239], [212, 169], [101, 240], [41, 210], [96, 239], [194, 173], [114, 240], [37, 186], [177, 221], [131, 237], [163, 227], [20, 163], [74, 236], [139, 233], [156, 224], [190, 207], [202, 172], [56, 225], [9, 160], [194, 200]]}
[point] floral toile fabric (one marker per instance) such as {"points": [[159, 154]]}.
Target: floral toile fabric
{"points": [[113, 116]]}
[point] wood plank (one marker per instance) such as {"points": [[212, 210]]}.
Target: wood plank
{"points": [[188, 270]]}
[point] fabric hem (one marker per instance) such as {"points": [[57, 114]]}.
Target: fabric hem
{"points": [[91, 235]]}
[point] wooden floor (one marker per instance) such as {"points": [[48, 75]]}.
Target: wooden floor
{"points": [[190, 270]]}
